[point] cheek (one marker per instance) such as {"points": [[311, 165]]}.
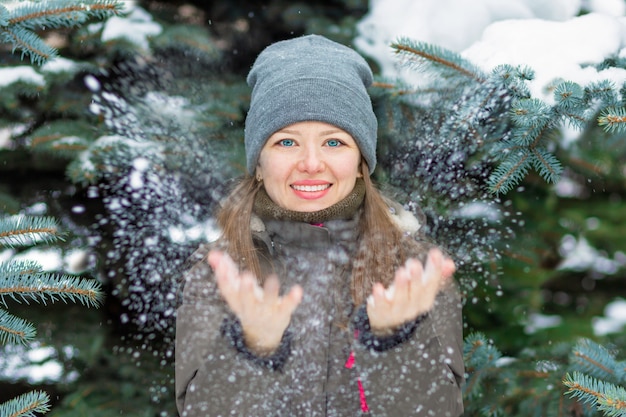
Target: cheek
{"points": [[273, 168], [351, 168]]}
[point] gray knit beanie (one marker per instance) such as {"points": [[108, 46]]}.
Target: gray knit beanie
{"points": [[310, 78]]}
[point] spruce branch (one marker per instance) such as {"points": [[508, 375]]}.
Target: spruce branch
{"points": [[607, 398], [527, 126], [593, 359], [568, 95], [510, 171], [531, 113], [14, 330], [514, 79], [18, 24], [60, 14], [28, 230], [26, 405], [48, 287], [546, 164], [603, 92], [4, 16], [29, 43], [422, 53], [480, 359], [478, 351], [613, 119]]}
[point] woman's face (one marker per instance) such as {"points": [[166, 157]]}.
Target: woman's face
{"points": [[309, 166]]}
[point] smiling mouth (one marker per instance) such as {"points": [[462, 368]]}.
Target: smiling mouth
{"points": [[311, 188]]}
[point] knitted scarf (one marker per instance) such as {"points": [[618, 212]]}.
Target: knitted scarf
{"points": [[345, 209]]}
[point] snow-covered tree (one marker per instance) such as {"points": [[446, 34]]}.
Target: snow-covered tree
{"points": [[147, 120]]}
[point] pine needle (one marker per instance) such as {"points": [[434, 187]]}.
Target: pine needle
{"points": [[49, 288], [26, 405], [613, 119], [28, 230], [14, 330], [606, 397]]}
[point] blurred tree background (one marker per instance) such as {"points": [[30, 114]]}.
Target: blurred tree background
{"points": [[130, 138]]}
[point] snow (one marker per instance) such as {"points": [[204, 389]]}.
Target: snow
{"points": [[140, 166], [579, 255], [5, 138], [538, 322], [35, 363], [478, 210], [613, 320], [136, 27], [556, 50], [207, 231], [59, 64], [49, 259], [554, 38], [24, 73], [549, 37], [92, 83]]}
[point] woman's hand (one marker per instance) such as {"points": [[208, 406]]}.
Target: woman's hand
{"points": [[263, 314], [411, 294]]}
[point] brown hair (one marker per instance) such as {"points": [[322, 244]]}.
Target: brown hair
{"points": [[376, 230]]}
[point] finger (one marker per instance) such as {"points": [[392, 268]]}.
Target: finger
{"points": [[390, 293], [229, 288], [218, 258], [415, 273], [214, 258], [415, 270], [398, 292], [377, 297], [250, 291], [224, 266], [271, 288], [432, 271], [246, 302], [448, 268], [292, 299], [226, 273]]}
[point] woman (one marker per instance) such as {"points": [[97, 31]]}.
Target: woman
{"points": [[320, 298]]}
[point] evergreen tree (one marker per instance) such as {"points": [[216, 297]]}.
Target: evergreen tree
{"points": [[162, 135], [495, 135], [24, 281]]}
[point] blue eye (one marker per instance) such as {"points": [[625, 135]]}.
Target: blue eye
{"points": [[333, 143], [286, 142]]}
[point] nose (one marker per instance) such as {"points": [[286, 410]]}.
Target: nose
{"points": [[311, 160]]}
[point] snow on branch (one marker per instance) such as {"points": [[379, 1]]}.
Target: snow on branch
{"points": [[18, 25], [422, 53]]}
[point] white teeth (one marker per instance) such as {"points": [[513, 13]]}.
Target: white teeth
{"points": [[310, 188]]}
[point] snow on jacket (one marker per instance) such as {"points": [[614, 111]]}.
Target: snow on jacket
{"points": [[329, 363]]}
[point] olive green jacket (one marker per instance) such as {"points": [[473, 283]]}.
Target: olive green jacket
{"points": [[329, 363]]}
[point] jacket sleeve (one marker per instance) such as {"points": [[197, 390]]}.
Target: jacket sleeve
{"points": [[214, 371], [420, 370]]}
